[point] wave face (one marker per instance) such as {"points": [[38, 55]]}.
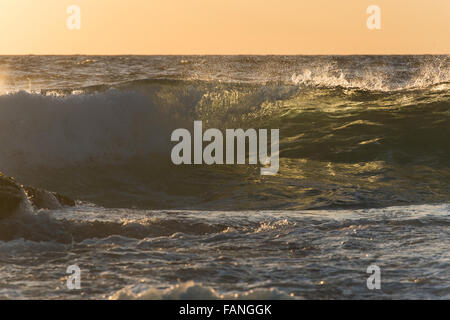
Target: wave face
{"points": [[363, 146], [354, 131]]}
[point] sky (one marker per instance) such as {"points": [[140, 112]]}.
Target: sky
{"points": [[224, 27]]}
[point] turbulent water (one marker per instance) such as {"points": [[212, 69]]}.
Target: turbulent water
{"points": [[364, 177]]}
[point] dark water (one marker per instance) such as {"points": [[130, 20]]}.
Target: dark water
{"points": [[364, 176]]}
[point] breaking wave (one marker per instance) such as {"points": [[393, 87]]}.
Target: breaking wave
{"points": [[193, 291], [110, 144]]}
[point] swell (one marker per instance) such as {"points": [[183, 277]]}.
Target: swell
{"points": [[340, 146]]}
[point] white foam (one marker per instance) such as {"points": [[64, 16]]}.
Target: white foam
{"points": [[192, 291], [330, 75]]}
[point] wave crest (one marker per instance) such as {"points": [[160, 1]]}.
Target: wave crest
{"points": [[193, 291], [431, 73]]}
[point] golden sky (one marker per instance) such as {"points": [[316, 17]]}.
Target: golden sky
{"points": [[224, 27]]}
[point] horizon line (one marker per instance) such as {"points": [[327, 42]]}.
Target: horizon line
{"points": [[232, 54]]}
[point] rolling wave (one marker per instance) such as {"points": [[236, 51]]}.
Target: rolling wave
{"points": [[110, 144]]}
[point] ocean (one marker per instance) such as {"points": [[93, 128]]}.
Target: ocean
{"points": [[364, 177]]}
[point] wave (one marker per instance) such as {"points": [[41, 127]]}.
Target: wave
{"points": [[425, 75], [162, 254], [386, 73], [30, 230], [111, 144], [137, 117], [193, 291]]}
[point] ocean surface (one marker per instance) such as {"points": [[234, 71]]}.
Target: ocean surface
{"points": [[364, 177]]}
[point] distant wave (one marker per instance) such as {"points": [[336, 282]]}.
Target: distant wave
{"points": [[375, 79], [374, 73]]}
